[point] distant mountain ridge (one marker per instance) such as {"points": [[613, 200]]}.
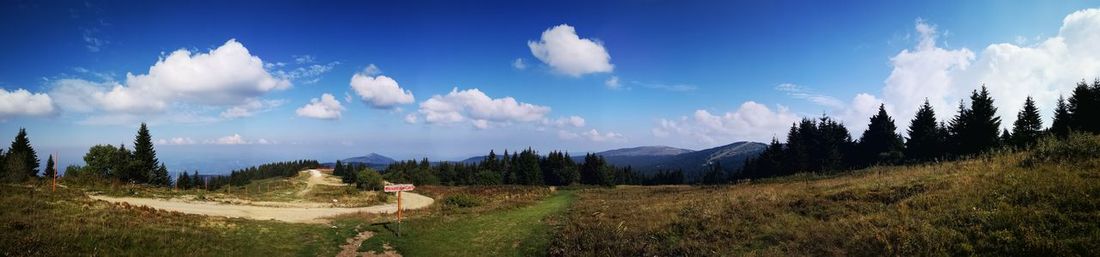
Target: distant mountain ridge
{"points": [[658, 150], [371, 158]]}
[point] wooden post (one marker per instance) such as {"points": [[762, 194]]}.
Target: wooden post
{"points": [[398, 213]]}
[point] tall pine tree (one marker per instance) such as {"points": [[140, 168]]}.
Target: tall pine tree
{"points": [[925, 140], [1084, 106], [985, 123], [1060, 126], [880, 143], [22, 152], [1028, 126], [146, 165]]}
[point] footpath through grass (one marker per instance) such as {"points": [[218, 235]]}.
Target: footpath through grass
{"points": [[522, 231]]}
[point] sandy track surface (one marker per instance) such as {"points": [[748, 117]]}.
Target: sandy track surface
{"points": [[318, 178], [288, 214], [305, 213]]}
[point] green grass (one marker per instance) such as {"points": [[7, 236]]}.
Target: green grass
{"points": [[520, 231], [37, 222]]}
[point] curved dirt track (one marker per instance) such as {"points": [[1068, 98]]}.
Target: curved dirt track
{"points": [[410, 201]]}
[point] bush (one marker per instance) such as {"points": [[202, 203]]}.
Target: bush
{"points": [[369, 179], [462, 200], [1075, 148]]}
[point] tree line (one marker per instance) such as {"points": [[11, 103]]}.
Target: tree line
{"points": [[526, 167], [141, 166], [241, 177], [824, 145]]}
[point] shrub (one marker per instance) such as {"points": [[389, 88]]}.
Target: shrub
{"points": [[1076, 148], [462, 200]]}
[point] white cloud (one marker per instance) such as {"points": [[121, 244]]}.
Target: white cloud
{"points": [[249, 108], [752, 121], [608, 136], [410, 118], [1048, 68], [21, 102], [176, 141], [565, 52], [379, 91], [326, 108], [303, 59], [228, 77], [235, 139], [567, 135], [613, 83], [309, 74], [803, 93], [264, 142], [519, 64], [926, 71], [480, 110], [571, 121]]}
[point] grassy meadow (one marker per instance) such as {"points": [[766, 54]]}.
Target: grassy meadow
{"points": [[1044, 202]]}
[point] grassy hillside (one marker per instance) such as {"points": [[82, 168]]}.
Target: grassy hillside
{"points": [[37, 222], [1044, 202]]}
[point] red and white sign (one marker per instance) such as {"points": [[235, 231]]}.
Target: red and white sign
{"points": [[399, 187]]}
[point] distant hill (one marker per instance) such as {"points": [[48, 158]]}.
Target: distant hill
{"points": [[731, 157], [649, 159], [373, 160], [645, 151]]}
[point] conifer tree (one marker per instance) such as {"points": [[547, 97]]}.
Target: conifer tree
{"points": [[51, 169], [183, 181], [145, 159], [880, 142], [1060, 126], [1084, 106], [1028, 126], [984, 123], [925, 139], [22, 151], [957, 131]]}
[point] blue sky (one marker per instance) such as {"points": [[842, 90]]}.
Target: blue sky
{"points": [[691, 74]]}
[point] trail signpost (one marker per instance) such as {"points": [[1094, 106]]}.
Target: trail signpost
{"points": [[398, 188]]}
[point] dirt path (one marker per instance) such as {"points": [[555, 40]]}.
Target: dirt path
{"points": [[318, 178], [288, 214], [351, 249]]}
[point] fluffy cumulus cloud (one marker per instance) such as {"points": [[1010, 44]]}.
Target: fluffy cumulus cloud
{"points": [[227, 77], [325, 108], [569, 54], [21, 102], [478, 109], [379, 91], [519, 64], [1043, 70], [926, 71], [751, 121]]}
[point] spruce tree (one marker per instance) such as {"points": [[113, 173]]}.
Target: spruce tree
{"points": [[23, 152], [925, 140], [1060, 126], [1084, 106], [957, 131], [146, 166], [183, 181], [196, 181], [160, 176], [984, 124], [880, 142], [51, 169], [1028, 126]]}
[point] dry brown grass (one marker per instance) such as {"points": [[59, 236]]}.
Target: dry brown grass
{"points": [[987, 206]]}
